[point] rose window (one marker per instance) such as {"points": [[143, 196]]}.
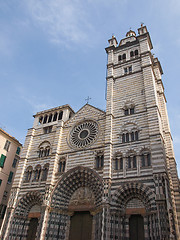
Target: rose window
{"points": [[84, 134]]}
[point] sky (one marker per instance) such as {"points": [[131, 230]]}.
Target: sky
{"points": [[52, 52]]}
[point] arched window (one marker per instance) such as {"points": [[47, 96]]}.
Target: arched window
{"points": [[132, 110], [127, 137], [124, 56], [45, 172], [40, 119], [131, 161], [99, 160], [28, 174], [60, 115], [119, 58], [50, 118], [45, 119], [37, 173], [132, 136], [131, 54], [118, 160], [44, 149], [145, 158], [123, 138], [62, 165], [136, 52], [126, 112], [41, 151], [55, 116], [136, 136]]}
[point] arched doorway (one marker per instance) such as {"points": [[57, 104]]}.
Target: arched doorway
{"points": [[77, 196], [136, 227], [81, 202], [81, 226], [33, 224]]}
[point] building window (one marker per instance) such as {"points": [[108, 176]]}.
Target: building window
{"points": [[28, 174], [131, 162], [44, 149], [125, 70], [37, 173], [7, 145], [60, 115], [130, 137], [62, 165], [128, 70], [47, 129], [127, 137], [2, 160], [145, 159], [2, 210], [123, 138], [136, 52], [45, 172], [119, 58], [99, 161], [5, 195], [119, 163], [131, 54], [10, 177], [45, 119], [18, 150], [50, 118], [40, 119], [14, 163], [55, 116], [136, 136], [129, 111], [124, 56]]}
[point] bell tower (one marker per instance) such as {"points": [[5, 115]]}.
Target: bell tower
{"points": [[137, 124]]}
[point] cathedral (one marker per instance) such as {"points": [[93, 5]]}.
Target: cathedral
{"points": [[101, 175]]}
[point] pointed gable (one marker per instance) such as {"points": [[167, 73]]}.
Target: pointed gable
{"points": [[86, 112]]}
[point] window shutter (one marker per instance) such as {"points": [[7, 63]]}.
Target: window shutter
{"points": [[2, 160], [10, 177], [18, 150]]}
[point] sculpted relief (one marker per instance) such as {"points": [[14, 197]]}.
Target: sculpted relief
{"points": [[82, 198]]}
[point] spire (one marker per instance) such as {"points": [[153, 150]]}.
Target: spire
{"points": [[112, 41]]}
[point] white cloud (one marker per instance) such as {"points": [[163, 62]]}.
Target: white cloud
{"points": [[65, 21]]}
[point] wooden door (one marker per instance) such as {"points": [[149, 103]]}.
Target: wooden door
{"points": [[31, 234], [81, 226], [136, 227]]}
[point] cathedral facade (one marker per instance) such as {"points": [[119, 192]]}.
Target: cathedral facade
{"points": [[101, 175]]}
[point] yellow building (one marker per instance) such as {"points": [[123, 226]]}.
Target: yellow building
{"points": [[9, 158]]}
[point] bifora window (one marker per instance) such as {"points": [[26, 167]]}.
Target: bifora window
{"points": [[84, 134]]}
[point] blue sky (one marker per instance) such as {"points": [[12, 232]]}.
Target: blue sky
{"points": [[52, 53]]}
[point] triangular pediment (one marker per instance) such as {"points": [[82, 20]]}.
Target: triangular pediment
{"points": [[86, 112]]}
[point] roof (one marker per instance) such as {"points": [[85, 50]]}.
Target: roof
{"points": [[54, 109], [8, 135]]}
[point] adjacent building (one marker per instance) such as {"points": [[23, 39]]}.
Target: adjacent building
{"points": [[102, 175], [9, 158]]}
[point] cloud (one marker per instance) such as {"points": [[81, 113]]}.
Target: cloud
{"points": [[65, 21], [69, 22]]}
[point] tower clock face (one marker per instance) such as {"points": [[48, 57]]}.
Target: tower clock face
{"points": [[84, 134]]}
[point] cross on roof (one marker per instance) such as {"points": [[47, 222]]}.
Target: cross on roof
{"points": [[87, 99]]}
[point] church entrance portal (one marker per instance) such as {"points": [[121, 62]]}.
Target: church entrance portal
{"points": [[136, 227], [31, 235], [81, 226]]}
